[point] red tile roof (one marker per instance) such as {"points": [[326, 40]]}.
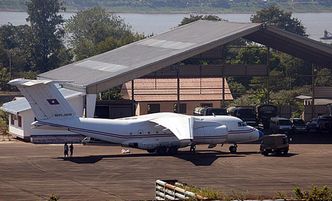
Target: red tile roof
{"points": [[165, 89]]}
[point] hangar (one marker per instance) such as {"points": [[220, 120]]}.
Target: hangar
{"points": [[162, 56]]}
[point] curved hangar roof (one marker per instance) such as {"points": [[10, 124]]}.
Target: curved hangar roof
{"points": [[115, 67]]}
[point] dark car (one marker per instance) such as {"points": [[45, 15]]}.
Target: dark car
{"points": [[280, 125], [321, 124], [298, 125]]}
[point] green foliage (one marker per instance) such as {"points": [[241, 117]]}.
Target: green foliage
{"points": [[315, 194], [251, 55], [95, 31], [15, 47], [111, 94], [237, 89], [193, 18], [4, 79], [3, 120], [53, 198], [323, 77], [273, 15], [210, 194], [47, 30]]}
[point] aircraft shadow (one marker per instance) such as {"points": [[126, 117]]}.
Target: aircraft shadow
{"points": [[200, 158]]}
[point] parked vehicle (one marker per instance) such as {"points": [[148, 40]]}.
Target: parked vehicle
{"points": [[275, 144], [208, 111], [280, 125], [265, 113], [298, 125], [246, 113], [320, 124]]}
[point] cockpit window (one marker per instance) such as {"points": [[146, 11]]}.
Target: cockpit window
{"points": [[242, 124]]}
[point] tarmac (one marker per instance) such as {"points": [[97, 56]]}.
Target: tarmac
{"points": [[34, 172]]}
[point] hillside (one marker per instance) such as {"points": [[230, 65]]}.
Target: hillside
{"points": [[184, 6]]}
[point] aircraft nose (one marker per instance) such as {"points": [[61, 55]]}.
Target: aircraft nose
{"points": [[260, 134]]}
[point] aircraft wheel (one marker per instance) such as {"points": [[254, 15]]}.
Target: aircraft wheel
{"points": [[151, 151], [161, 150], [172, 150], [233, 149], [192, 148]]}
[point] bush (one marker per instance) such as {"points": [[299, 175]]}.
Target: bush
{"points": [[315, 194]]}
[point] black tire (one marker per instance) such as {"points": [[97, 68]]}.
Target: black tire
{"points": [[193, 148], [172, 151], [265, 153], [161, 150], [151, 151], [233, 149]]}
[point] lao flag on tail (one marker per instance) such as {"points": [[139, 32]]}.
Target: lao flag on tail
{"points": [[53, 101]]}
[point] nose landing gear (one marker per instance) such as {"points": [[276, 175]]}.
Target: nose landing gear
{"points": [[233, 149], [192, 148]]}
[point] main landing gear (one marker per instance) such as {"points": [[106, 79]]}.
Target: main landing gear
{"points": [[233, 148], [164, 150]]}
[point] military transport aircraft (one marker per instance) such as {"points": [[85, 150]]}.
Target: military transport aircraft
{"points": [[163, 133]]}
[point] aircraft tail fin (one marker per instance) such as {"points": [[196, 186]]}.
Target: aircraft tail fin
{"points": [[45, 99]]}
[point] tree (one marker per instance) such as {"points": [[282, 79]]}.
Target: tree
{"points": [[46, 25], [15, 47], [4, 79], [279, 18], [95, 31], [193, 18], [323, 77]]}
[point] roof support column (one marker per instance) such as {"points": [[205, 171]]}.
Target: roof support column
{"points": [[313, 91], [223, 87], [178, 89], [132, 98], [268, 75]]}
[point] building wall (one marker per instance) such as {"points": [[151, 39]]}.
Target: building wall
{"points": [[307, 115], [25, 132], [142, 107]]}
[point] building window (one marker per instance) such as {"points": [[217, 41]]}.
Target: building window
{"points": [[19, 120], [183, 108], [153, 108], [206, 105], [12, 119]]}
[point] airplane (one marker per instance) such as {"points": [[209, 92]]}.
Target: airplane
{"points": [[161, 133]]}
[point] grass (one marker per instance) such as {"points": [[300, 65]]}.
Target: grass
{"points": [[316, 193]]}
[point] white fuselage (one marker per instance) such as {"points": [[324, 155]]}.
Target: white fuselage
{"points": [[141, 133]]}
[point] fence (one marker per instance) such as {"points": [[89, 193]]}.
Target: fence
{"points": [[167, 191]]}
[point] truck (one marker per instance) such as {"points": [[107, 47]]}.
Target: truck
{"points": [[246, 113], [274, 144], [265, 113]]}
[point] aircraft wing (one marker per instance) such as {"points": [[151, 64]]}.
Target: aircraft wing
{"points": [[180, 125]]}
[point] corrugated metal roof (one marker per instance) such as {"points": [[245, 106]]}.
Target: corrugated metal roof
{"points": [[118, 66], [293, 44], [21, 104], [112, 68]]}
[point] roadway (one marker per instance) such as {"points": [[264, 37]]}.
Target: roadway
{"points": [[34, 172]]}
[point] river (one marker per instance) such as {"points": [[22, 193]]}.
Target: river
{"points": [[315, 23]]}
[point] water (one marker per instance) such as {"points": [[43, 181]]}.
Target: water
{"points": [[315, 23]]}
